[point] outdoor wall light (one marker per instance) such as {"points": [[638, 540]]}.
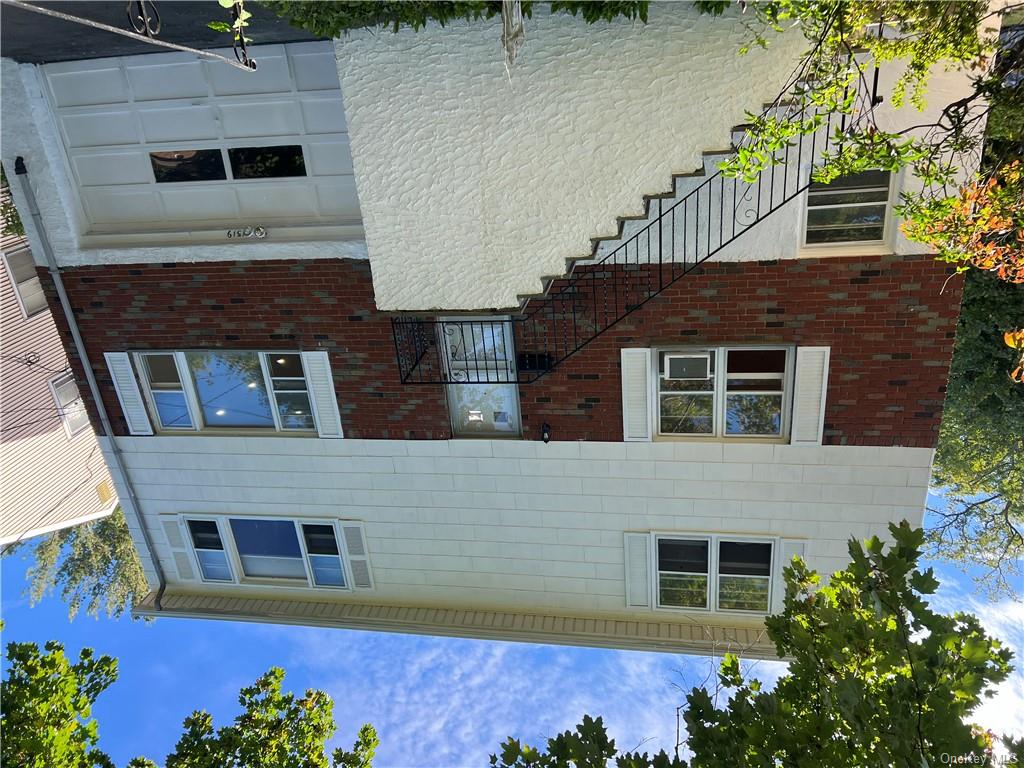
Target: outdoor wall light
{"points": [[545, 432]]}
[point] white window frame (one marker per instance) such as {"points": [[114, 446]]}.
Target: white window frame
{"points": [[192, 398], [858, 245], [53, 384], [718, 393], [16, 286], [713, 575], [506, 367], [238, 577]]}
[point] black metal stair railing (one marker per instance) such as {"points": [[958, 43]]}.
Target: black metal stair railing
{"points": [[600, 291]]}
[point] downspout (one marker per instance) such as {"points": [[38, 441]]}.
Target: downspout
{"points": [[22, 173]]}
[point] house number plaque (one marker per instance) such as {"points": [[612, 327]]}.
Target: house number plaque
{"points": [[257, 233]]}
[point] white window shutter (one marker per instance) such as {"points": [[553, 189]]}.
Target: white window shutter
{"points": [[788, 549], [178, 546], [810, 388], [132, 404], [638, 570], [358, 556], [322, 394], [636, 393]]}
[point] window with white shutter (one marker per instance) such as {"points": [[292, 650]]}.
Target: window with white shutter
{"points": [[230, 389], [128, 394]]}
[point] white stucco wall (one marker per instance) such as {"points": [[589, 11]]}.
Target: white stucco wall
{"points": [[473, 188], [521, 525]]}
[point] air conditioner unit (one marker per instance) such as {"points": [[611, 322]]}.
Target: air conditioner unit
{"points": [[687, 367]]}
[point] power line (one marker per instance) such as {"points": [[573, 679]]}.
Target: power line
{"points": [[31, 360]]}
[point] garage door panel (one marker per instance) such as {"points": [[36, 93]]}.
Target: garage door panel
{"points": [[101, 129], [200, 203], [105, 168], [268, 118], [114, 205], [337, 199], [179, 124], [168, 81], [272, 76], [329, 158], [277, 200], [89, 87], [317, 71], [324, 115]]}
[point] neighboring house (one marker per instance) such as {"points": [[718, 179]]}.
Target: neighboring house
{"points": [[300, 296], [52, 473]]}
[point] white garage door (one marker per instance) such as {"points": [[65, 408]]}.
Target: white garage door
{"points": [[171, 142]]}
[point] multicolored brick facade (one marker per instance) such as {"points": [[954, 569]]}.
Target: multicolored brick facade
{"points": [[890, 322]]}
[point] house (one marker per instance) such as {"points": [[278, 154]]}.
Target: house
{"points": [[52, 473], [389, 340]]}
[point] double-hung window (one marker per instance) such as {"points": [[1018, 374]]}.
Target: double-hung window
{"points": [[479, 356], [69, 404], [714, 573], [723, 392], [268, 550], [210, 389], [21, 269], [850, 209]]}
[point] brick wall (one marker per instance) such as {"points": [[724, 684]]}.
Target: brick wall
{"points": [[890, 322], [890, 330], [287, 304]]}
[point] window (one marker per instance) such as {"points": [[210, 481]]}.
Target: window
{"points": [[267, 162], [187, 165], [166, 391], [210, 389], [209, 548], [184, 165], [693, 572], [850, 209], [21, 268], [69, 404], [304, 553], [722, 392], [480, 353]]}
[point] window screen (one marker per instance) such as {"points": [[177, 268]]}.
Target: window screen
{"points": [[850, 209], [268, 548]]}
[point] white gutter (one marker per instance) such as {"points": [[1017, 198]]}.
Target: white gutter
{"points": [[118, 469]]}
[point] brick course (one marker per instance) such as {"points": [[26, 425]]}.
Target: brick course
{"points": [[890, 322]]}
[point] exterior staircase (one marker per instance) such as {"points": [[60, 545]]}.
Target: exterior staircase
{"points": [[704, 213]]}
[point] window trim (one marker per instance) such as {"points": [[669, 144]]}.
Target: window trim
{"points": [[234, 559], [861, 246], [713, 575], [192, 397], [15, 285], [509, 363], [719, 392], [52, 383], [223, 146]]}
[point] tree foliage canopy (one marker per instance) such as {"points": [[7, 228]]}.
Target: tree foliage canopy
{"points": [[979, 461], [332, 19], [95, 565], [47, 723], [47, 707], [876, 678]]}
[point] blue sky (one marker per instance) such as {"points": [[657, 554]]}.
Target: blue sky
{"points": [[434, 701]]}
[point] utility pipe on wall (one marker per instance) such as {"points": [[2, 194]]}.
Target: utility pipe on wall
{"points": [[21, 173]]}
